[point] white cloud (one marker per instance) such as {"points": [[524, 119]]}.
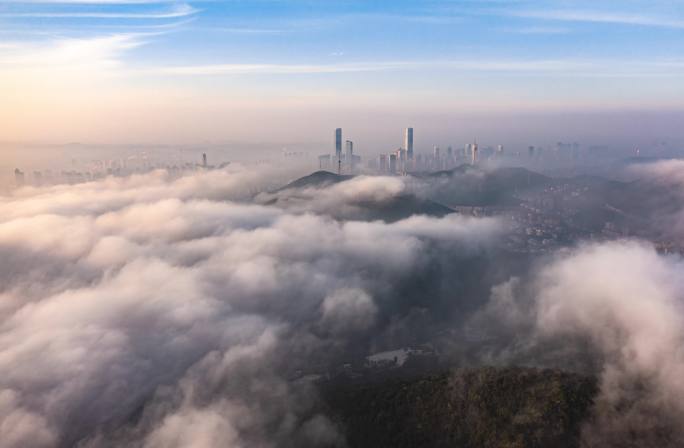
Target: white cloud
{"points": [[92, 2], [558, 67], [348, 310], [601, 17], [627, 302], [71, 53], [177, 10], [614, 309], [169, 294]]}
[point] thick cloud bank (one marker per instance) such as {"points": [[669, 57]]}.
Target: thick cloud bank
{"points": [[616, 308], [155, 312], [628, 303]]}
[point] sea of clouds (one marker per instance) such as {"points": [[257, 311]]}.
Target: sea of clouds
{"points": [[150, 311]]}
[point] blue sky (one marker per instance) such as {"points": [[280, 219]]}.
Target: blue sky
{"points": [[252, 57], [330, 31]]}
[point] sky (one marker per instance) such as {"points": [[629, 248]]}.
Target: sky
{"points": [[114, 71]]}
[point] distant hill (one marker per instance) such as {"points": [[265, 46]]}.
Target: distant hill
{"points": [[472, 186], [401, 207], [487, 407], [316, 179], [387, 209], [505, 177], [517, 178], [461, 169]]}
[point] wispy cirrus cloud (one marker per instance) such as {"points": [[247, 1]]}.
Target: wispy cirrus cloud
{"points": [[92, 29], [91, 2], [70, 53], [563, 67], [176, 11], [110, 50], [247, 30], [274, 69], [601, 17]]}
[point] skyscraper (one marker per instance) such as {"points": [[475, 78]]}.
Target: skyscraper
{"points": [[402, 159], [204, 160], [382, 163], [349, 154], [408, 143], [393, 164], [338, 143]]}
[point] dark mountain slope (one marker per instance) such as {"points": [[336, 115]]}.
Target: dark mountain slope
{"points": [[316, 179], [301, 193], [400, 207], [471, 186], [488, 407]]}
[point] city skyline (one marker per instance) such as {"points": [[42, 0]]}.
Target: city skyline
{"points": [[83, 162]]}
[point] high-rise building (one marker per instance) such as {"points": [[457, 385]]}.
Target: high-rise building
{"points": [[349, 154], [204, 160], [338, 143], [474, 152], [382, 163], [408, 143], [402, 155], [530, 151], [393, 164], [500, 151]]}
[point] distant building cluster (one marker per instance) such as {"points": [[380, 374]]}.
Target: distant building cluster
{"points": [[400, 161], [100, 169], [341, 161], [404, 159], [407, 159]]}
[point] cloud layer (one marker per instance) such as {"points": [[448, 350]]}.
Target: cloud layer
{"points": [[613, 308], [156, 312], [149, 312]]}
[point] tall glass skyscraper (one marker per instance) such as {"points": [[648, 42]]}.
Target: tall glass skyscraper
{"points": [[408, 143], [338, 143]]}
